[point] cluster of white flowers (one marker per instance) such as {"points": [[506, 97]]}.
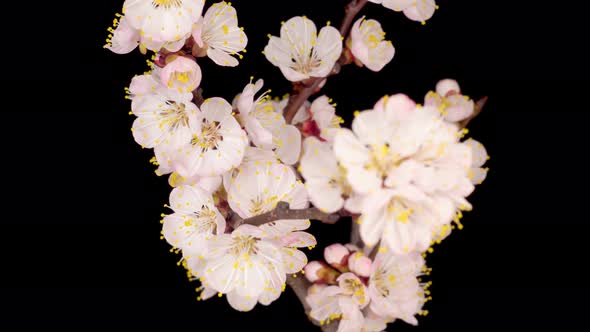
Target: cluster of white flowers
{"points": [[365, 294], [404, 173], [403, 170], [173, 25]]}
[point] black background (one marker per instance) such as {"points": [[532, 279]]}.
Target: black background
{"points": [[80, 235]]}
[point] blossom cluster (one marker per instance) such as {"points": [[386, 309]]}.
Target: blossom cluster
{"points": [[403, 171], [366, 294]]}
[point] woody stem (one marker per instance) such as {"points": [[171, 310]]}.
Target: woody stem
{"points": [[282, 211]]}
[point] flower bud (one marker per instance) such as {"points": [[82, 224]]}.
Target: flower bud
{"points": [[311, 270], [447, 86], [360, 264], [321, 273], [336, 255]]}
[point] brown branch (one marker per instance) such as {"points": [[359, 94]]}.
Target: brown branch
{"points": [[352, 9], [297, 98], [332, 327], [355, 235], [299, 286], [198, 97], [282, 211], [477, 109]]}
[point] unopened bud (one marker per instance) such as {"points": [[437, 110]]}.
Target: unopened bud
{"points": [[311, 270], [328, 275], [360, 264], [447, 87], [337, 256]]}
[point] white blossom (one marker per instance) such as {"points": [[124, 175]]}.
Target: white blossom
{"points": [[163, 23], [266, 126], [216, 145], [343, 302], [218, 34], [195, 219], [301, 53], [394, 288], [367, 44]]}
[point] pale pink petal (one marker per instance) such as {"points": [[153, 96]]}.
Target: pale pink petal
{"points": [[324, 195], [374, 219], [348, 149], [328, 49], [478, 152], [421, 11], [298, 239], [459, 108], [352, 317], [294, 260], [292, 75], [289, 148], [241, 303], [397, 5], [446, 86], [362, 180], [222, 58], [260, 136]]}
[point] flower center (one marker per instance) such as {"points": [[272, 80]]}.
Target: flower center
{"points": [[356, 289], [176, 116], [244, 245], [205, 222], [306, 64], [340, 181], [381, 282], [182, 77], [167, 3], [382, 160], [373, 41], [336, 121], [209, 136], [261, 205], [397, 209]]}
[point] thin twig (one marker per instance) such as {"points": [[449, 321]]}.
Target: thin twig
{"points": [[282, 211], [297, 98], [355, 236], [332, 327], [299, 286], [198, 97], [352, 9]]}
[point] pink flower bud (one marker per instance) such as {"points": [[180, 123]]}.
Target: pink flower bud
{"points": [[336, 255], [447, 86], [182, 73], [311, 270], [360, 264]]}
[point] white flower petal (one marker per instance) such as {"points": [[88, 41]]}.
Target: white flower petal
{"points": [[241, 303]]}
